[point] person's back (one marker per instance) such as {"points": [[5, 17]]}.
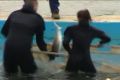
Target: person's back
{"points": [[19, 30], [22, 28], [82, 37]]}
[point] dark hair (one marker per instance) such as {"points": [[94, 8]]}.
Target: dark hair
{"points": [[28, 6], [84, 15], [28, 1]]}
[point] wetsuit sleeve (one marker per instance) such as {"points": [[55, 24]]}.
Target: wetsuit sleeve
{"points": [[40, 36], [5, 29], [104, 38], [67, 39]]}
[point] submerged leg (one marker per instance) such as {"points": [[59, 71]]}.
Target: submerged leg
{"points": [[10, 63], [27, 64], [51, 57]]}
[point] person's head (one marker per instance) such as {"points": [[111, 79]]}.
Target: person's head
{"points": [[84, 15], [32, 3]]}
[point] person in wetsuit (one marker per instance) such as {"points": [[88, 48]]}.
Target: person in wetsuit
{"points": [[19, 30], [81, 36]]}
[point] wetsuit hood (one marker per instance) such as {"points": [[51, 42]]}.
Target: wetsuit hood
{"points": [[28, 9]]}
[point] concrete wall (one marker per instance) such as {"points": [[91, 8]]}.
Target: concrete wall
{"points": [[67, 8]]}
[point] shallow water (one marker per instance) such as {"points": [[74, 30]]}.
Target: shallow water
{"points": [[107, 70], [52, 73]]}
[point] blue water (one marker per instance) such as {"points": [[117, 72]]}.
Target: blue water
{"points": [[111, 28]]}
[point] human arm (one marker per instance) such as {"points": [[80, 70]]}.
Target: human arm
{"points": [[103, 38], [67, 39], [40, 36], [5, 29]]}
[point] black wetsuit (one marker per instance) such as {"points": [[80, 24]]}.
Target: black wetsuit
{"points": [[19, 30], [79, 53]]}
